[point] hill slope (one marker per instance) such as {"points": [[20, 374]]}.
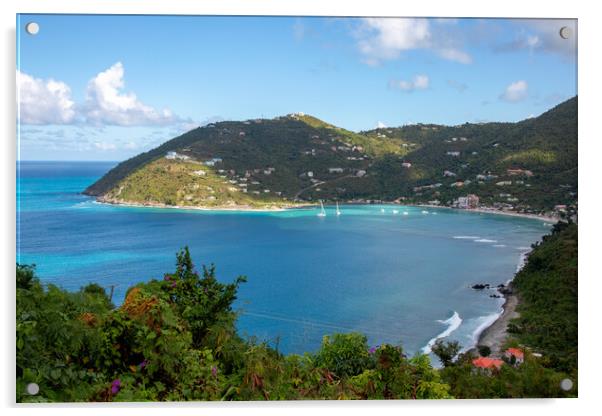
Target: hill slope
{"points": [[547, 287], [527, 166]]}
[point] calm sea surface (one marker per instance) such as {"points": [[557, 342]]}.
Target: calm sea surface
{"points": [[395, 277]]}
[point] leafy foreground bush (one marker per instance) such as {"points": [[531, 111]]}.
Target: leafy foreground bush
{"points": [[175, 339]]}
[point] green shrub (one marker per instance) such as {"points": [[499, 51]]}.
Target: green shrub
{"points": [[344, 354]]}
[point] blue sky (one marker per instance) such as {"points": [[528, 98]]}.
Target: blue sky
{"points": [[110, 87]]}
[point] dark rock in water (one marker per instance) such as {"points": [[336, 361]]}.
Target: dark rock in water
{"points": [[481, 286], [501, 286], [495, 295]]}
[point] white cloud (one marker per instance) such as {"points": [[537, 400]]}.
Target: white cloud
{"points": [[517, 91], [533, 41], [381, 39], [44, 101], [381, 125], [543, 35], [107, 103], [419, 82], [387, 38], [452, 54], [105, 146], [47, 102], [131, 145]]}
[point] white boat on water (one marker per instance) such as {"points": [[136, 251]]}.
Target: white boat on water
{"points": [[322, 212], [405, 213], [395, 212], [338, 210]]}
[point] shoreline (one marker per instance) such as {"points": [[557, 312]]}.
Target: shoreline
{"points": [[496, 334], [241, 208], [245, 208], [493, 211]]}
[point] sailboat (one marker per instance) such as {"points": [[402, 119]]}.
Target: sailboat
{"points": [[322, 213], [338, 210]]}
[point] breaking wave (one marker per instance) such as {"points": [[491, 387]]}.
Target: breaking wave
{"points": [[485, 322], [452, 323]]}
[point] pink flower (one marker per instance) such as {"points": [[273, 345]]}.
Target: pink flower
{"points": [[115, 386], [214, 371]]}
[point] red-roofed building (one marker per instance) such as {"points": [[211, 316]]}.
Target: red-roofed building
{"points": [[518, 354], [487, 363]]}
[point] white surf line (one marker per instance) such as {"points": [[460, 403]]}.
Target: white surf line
{"points": [[452, 323], [522, 260], [488, 320]]}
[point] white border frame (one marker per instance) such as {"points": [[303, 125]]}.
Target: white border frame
{"points": [[589, 70]]}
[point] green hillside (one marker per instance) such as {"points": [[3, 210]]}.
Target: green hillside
{"points": [[529, 166], [547, 287], [185, 183], [373, 146]]}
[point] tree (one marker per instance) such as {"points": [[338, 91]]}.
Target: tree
{"points": [[446, 351], [202, 301], [484, 350], [25, 276]]}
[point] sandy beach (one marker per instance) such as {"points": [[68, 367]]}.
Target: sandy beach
{"points": [[240, 208], [495, 335], [243, 208], [515, 214], [493, 211]]}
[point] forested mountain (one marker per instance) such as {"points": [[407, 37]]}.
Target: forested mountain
{"points": [[528, 166]]}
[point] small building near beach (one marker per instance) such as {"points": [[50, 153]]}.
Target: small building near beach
{"points": [[487, 363], [470, 201], [515, 354]]}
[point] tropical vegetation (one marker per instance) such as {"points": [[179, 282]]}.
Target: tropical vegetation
{"points": [[527, 166], [175, 339]]}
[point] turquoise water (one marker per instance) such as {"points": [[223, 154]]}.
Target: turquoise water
{"points": [[395, 277]]}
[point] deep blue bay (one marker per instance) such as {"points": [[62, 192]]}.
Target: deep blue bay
{"points": [[395, 277]]}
